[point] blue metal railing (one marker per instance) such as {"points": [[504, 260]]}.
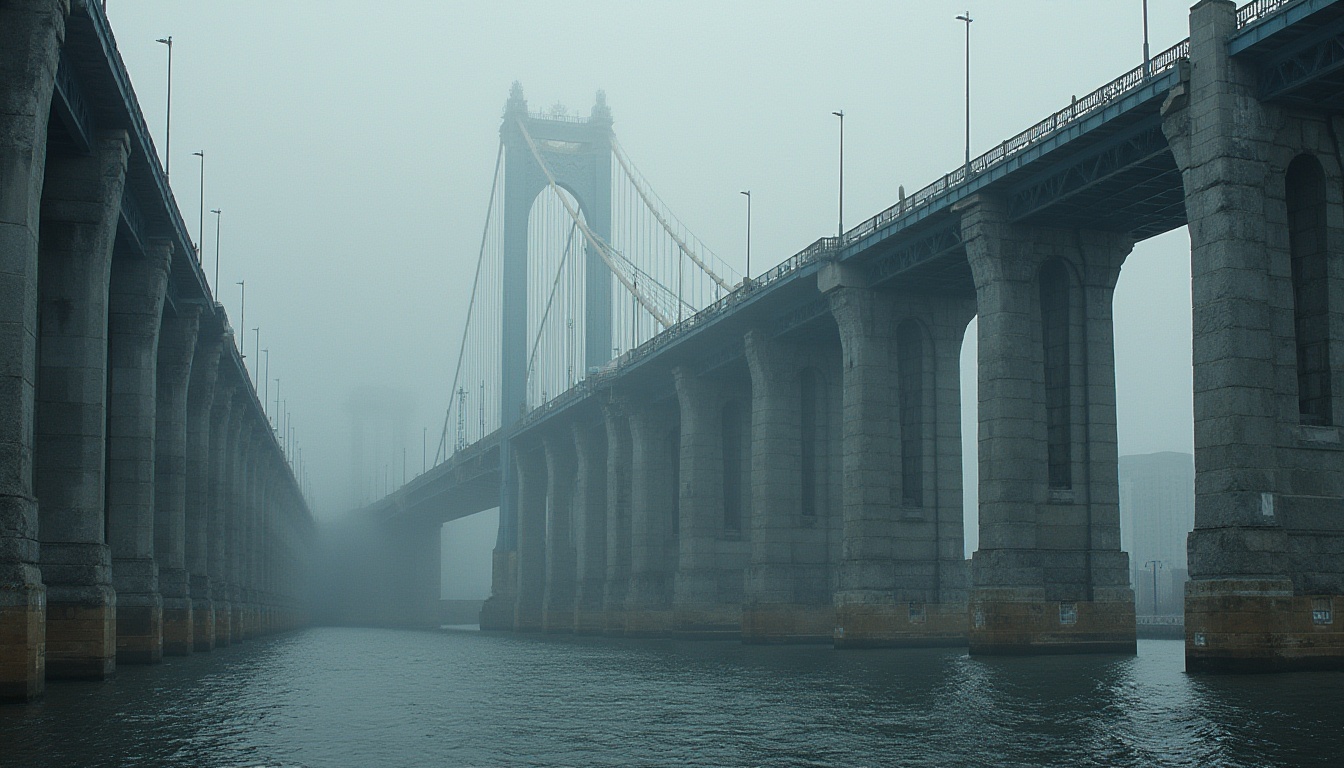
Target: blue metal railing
{"points": [[827, 247]]}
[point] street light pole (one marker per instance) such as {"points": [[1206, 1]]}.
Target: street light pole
{"points": [[746, 278], [168, 122], [967, 18], [1154, 564], [1147, 68], [256, 362], [841, 114], [267, 378], [219, 214], [200, 225], [242, 311]]}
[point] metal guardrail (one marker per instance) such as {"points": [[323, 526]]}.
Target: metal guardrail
{"points": [[827, 247], [1076, 110], [1258, 9], [557, 118]]}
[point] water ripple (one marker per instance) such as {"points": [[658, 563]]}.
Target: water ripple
{"points": [[358, 697]]}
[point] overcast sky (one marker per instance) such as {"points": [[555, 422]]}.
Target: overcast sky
{"points": [[350, 146]]}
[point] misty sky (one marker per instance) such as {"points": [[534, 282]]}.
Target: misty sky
{"points": [[350, 146]]}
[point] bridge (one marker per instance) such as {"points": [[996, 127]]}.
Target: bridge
{"points": [[777, 459], [146, 505]]}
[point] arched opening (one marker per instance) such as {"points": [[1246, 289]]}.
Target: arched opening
{"points": [[910, 379], [735, 462], [1055, 302], [812, 465], [1305, 194]]}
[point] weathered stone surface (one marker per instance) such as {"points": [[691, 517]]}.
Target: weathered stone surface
{"points": [[1266, 544]]}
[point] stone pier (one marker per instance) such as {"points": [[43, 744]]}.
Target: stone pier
{"points": [[135, 312], [590, 527], [177, 347], [903, 575], [654, 520], [715, 499], [558, 600], [200, 403], [619, 484], [1049, 576], [789, 582], [31, 34], [1263, 197], [81, 202], [531, 466]]}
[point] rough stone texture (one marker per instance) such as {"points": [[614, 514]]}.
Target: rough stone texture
{"points": [[902, 580], [558, 600], [619, 463], [177, 346], [711, 564], [236, 501], [531, 466], [590, 527], [1043, 542], [225, 422], [1267, 545], [653, 520], [790, 580], [80, 210], [497, 612], [31, 34], [200, 401], [135, 311]]}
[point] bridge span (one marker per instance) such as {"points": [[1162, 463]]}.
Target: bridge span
{"points": [[146, 506], [784, 464]]}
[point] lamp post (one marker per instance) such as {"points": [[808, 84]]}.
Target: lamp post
{"points": [[200, 225], [168, 122], [841, 114], [256, 362], [242, 311], [277, 403], [746, 277], [1147, 67], [1154, 564], [219, 214], [265, 406], [966, 17]]}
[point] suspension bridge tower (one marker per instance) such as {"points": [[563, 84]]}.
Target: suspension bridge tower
{"points": [[543, 152], [577, 157]]}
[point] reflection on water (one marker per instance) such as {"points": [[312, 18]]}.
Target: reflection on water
{"points": [[356, 697]]}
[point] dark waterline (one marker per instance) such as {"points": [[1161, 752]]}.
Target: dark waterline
{"points": [[364, 697]]}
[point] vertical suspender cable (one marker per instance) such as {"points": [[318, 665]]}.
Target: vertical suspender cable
{"points": [[480, 259]]}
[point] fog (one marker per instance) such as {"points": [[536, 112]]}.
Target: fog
{"points": [[350, 147]]}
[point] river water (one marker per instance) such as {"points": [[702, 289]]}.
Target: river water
{"points": [[367, 697]]}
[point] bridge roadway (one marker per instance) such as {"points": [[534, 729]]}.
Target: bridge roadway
{"points": [[1100, 163], [784, 466], [146, 506]]}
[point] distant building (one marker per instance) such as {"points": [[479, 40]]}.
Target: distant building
{"points": [[1157, 510]]}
